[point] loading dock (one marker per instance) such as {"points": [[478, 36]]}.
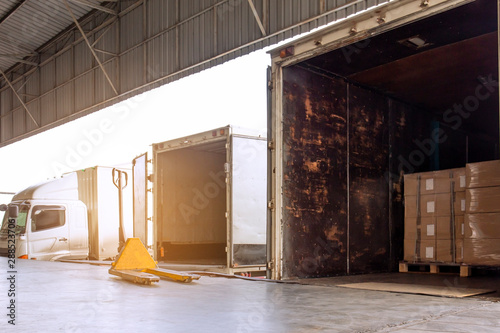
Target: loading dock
{"points": [[408, 87], [81, 298]]}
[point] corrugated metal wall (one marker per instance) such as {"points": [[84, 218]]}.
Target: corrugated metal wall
{"points": [[150, 43]]}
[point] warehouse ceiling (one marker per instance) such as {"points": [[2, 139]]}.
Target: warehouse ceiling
{"points": [[435, 63], [27, 25], [62, 59]]}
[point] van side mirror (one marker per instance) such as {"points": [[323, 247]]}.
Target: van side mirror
{"points": [[13, 211]]}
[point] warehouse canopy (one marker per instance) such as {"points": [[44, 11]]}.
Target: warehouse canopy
{"points": [[62, 59]]}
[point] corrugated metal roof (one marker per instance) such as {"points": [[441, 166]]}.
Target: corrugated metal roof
{"points": [[25, 25], [145, 44]]}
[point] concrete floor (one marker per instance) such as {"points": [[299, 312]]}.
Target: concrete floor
{"points": [[481, 279], [66, 297]]}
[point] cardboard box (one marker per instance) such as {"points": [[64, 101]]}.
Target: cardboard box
{"points": [[435, 205], [459, 179], [482, 226], [483, 200], [482, 252], [435, 182], [430, 250], [436, 227], [483, 174]]}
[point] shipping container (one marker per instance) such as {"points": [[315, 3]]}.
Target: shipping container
{"points": [[409, 86], [209, 194]]}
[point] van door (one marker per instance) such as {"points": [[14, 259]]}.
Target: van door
{"points": [[248, 198], [78, 231], [140, 194], [48, 232]]}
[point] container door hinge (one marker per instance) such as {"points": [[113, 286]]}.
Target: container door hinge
{"points": [[270, 204], [270, 265], [270, 145], [270, 84]]}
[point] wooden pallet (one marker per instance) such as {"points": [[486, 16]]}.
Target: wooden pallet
{"points": [[434, 268]]}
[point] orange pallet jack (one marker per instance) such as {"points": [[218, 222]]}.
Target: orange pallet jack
{"points": [[134, 263]]}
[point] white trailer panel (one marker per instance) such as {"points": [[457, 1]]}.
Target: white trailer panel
{"points": [[248, 196], [100, 195]]}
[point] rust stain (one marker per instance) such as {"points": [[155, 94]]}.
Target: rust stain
{"points": [[358, 255], [367, 225], [333, 233], [308, 105], [337, 117], [292, 132], [312, 166]]}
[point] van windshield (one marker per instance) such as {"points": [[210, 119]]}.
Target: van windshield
{"points": [[21, 220]]}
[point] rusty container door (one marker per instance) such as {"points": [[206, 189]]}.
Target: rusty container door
{"points": [[368, 189], [345, 148], [314, 175]]}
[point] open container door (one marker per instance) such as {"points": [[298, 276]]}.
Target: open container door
{"points": [[140, 205], [190, 200], [248, 199], [269, 199], [411, 86]]}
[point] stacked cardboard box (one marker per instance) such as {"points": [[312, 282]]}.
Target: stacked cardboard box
{"points": [[482, 219], [434, 215]]}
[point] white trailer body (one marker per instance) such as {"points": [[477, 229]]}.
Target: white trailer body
{"points": [[210, 200], [73, 217]]}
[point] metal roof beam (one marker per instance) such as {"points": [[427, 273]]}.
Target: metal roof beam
{"points": [[17, 55], [27, 62], [106, 52], [90, 46], [19, 98], [102, 35], [14, 57], [95, 6], [257, 18]]}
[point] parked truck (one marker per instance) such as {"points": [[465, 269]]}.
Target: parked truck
{"points": [[76, 216], [209, 193]]}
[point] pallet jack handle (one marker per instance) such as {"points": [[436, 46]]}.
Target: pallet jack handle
{"points": [[120, 180]]}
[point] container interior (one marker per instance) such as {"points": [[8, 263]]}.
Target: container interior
{"points": [[191, 206]]}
